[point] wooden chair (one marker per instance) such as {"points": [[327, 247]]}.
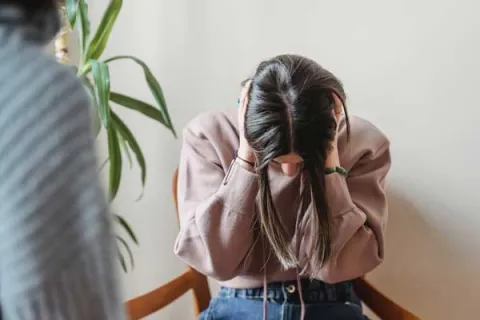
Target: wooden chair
{"points": [[155, 300]]}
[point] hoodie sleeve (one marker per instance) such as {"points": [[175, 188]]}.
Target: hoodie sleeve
{"points": [[215, 208], [359, 210]]}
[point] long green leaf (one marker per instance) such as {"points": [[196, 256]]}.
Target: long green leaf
{"points": [[126, 149], [104, 163], [154, 86], [122, 260], [127, 228], [96, 121], [127, 248], [101, 84], [140, 106], [125, 132], [71, 7], [115, 155], [82, 24], [100, 39], [87, 67]]}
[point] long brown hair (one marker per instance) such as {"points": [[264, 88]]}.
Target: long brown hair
{"points": [[290, 104]]}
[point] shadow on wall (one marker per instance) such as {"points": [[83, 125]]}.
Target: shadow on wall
{"points": [[423, 269]]}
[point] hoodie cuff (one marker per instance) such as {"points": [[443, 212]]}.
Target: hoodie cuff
{"points": [[239, 188], [338, 195]]}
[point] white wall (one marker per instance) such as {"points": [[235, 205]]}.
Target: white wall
{"points": [[409, 66]]}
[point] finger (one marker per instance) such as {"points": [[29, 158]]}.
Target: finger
{"points": [[338, 108], [244, 95], [243, 104], [338, 103]]}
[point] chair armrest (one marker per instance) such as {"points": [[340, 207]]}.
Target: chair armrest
{"points": [[155, 300], [379, 303]]}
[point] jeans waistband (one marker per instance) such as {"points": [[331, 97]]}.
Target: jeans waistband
{"points": [[314, 291]]}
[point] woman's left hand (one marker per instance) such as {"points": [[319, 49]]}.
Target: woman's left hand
{"points": [[333, 160], [244, 150]]}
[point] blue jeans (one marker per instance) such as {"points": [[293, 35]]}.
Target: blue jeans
{"points": [[322, 301]]}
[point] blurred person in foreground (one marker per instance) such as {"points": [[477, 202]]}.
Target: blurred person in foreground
{"points": [[56, 244]]}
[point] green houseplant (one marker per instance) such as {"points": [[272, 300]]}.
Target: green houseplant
{"points": [[93, 70]]}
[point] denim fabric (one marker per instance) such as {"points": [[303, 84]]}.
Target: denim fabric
{"points": [[322, 301]]}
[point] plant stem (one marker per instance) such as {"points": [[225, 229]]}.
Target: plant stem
{"points": [[61, 42]]}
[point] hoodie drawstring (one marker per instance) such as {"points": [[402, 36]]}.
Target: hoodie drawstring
{"points": [[302, 303], [297, 272], [298, 240], [265, 293]]}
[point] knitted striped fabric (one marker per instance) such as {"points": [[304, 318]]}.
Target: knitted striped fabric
{"points": [[56, 245]]}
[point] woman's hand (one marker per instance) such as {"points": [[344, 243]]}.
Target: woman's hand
{"points": [[333, 160], [244, 150]]}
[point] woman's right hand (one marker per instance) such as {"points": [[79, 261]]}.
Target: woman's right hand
{"points": [[244, 150], [333, 159]]}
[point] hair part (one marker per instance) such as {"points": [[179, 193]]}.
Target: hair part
{"points": [[290, 104]]}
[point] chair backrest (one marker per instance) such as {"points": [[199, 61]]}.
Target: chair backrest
{"points": [[155, 300]]}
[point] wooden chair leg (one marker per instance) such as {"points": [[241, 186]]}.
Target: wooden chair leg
{"points": [[201, 293]]}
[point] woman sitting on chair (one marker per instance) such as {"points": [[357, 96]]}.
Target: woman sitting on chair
{"points": [[284, 203]]}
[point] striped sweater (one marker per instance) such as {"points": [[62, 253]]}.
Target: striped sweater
{"points": [[56, 245]]}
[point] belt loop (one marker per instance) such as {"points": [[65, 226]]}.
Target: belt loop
{"points": [[285, 294], [330, 293]]}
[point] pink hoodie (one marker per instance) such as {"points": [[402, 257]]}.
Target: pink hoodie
{"points": [[217, 197]]}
